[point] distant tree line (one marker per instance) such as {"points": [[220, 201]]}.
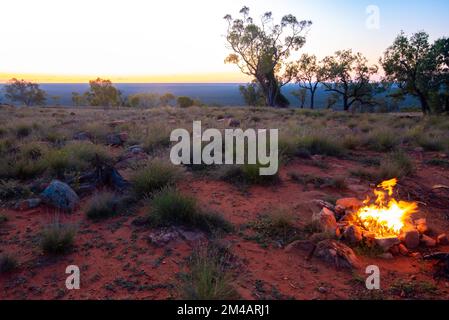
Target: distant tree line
{"points": [[412, 66], [102, 92]]}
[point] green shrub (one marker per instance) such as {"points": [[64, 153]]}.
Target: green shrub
{"points": [[3, 218], [103, 205], [154, 177], [395, 165], [77, 156], [321, 144], [185, 102], [7, 263], [158, 137], [247, 174], [57, 238], [432, 143], [170, 207], [209, 278], [23, 130], [382, 140], [12, 189]]}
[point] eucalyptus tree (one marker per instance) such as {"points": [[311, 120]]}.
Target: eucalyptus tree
{"points": [[349, 75], [261, 50]]}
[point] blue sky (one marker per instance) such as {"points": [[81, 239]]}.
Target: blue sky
{"points": [[178, 40]]}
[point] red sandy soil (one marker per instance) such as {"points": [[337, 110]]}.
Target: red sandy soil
{"points": [[118, 262]]}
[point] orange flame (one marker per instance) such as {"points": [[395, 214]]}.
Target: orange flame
{"points": [[386, 217]]}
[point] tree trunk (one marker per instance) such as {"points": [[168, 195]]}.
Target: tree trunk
{"points": [[312, 99], [446, 104], [424, 103], [345, 103], [272, 92]]}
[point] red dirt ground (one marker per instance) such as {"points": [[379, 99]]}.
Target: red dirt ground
{"points": [[118, 262]]}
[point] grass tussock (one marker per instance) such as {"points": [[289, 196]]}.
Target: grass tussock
{"points": [[104, 205], [395, 165], [154, 177], [8, 263], [57, 238], [247, 174], [277, 225], [209, 277], [170, 207]]}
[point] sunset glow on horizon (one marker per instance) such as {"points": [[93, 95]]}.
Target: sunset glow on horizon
{"points": [[138, 41]]}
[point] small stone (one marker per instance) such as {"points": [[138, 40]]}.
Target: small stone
{"points": [[299, 245], [28, 204], [428, 241], [416, 255], [326, 220], [233, 123], [349, 203], [340, 210], [421, 226], [443, 239], [353, 234], [82, 136], [419, 149], [387, 243], [337, 254], [394, 250], [322, 290], [410, 237], [386, 256], [403, 250]]}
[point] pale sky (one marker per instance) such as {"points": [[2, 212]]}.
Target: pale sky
{"points": [[179, 40]]}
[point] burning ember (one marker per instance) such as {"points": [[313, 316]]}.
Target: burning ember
{"points": [[385, 216]]}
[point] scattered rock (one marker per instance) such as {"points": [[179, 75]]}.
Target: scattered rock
{"points": [[135, 149], [300, 245], [353, 234], [337, 254], [421, 226], [428, 241], [349, 203], [233, 123], [403, 250], [410, 237], [322, 290], [340, 210], [191, 236], [387, 243], [82, 136], [161, 238], [324, 204], [60, 195], [419, 149], [117, 139], [443, 239], [28, 204], [386, 256], [326, 220]]}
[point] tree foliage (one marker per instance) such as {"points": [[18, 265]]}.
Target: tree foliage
{"points": [[349, 75], [308, 74], [103, 93], [252, 94], [24, 92], [261, 51]]}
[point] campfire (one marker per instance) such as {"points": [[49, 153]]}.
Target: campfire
{"points": [[385, 216], [381, 221]]}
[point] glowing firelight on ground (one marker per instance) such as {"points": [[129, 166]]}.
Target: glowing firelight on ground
{"points": [[386, 216]]}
